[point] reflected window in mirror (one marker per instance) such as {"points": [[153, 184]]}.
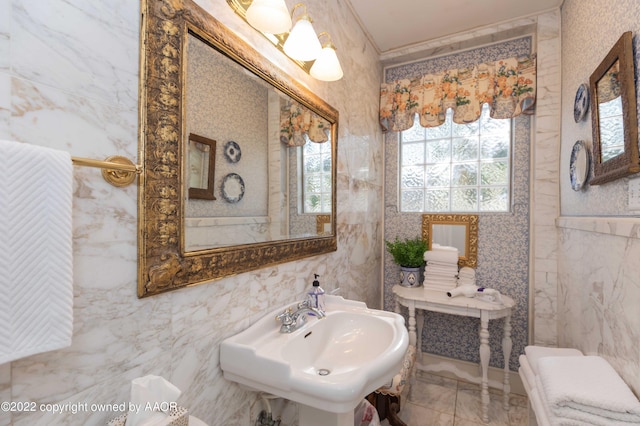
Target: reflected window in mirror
{"points": [[456, 167], [316, 177], [610, 114]]}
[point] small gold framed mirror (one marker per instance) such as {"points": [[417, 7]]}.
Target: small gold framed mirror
{"points": [[454, 230]]}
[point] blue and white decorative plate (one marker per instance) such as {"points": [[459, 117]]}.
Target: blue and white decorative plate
{"points": [[232, 152], [232, 188], [581, 103], [579, 165]]}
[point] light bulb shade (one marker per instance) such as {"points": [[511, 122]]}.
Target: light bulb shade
{"points": [[302, 43], [269, 16], [327, 66]]}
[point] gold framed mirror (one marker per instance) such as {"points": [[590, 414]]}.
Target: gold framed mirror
{"points": [[613, 114], [169, 257], [454, 230]]}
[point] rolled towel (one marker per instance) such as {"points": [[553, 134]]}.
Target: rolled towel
{"points": [[586, 388], [466, 271]]}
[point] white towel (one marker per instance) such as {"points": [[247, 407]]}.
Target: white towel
{"points": [[467, 272], [534, 353], [436, 246], [586, 389], [36, 290], [451, 269], [448, 256]]}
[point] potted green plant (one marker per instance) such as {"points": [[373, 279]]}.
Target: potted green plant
{"points": [[409, 255]]}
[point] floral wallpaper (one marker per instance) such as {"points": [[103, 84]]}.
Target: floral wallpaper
{"points": [[503, 246]]}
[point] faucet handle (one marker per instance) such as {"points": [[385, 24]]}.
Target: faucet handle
{"points": [[285, 317]]}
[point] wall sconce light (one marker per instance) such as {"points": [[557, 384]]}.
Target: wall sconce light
{"points": [[327, 66], [301, 45], [269, 16]]}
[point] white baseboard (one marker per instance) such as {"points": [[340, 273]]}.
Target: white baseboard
{"points": [[469, 372]]}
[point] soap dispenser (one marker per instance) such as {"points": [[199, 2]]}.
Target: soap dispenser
{"points": [[316, 294]]}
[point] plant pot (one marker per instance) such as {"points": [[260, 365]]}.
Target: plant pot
{"points": [[411, 277]]}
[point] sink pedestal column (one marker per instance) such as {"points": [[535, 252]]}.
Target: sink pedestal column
{"points": [[310, 416]]}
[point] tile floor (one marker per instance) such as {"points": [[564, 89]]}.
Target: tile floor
{"points": [[440, 401]]}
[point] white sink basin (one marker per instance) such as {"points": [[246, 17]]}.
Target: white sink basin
{"points": [[329, 364]]}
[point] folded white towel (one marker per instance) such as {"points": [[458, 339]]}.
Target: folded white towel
{"points": [[440, 271], [586, 388], [448, 256], [534, 353], [526, 373], [539, 407], [437, 246], [451, 265], [36, 291]]}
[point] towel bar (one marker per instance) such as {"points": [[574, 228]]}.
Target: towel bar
{"points": [[117, 170]]}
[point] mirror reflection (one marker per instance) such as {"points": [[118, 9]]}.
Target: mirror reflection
{"points": [[610, 114], [454, 230], [273, 174], [450, 235]]}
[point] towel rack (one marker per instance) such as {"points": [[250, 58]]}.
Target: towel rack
{"points": [[117, 170]]}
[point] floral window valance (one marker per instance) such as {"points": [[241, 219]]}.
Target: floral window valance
{"points": [[296, 121], [508, 86]]}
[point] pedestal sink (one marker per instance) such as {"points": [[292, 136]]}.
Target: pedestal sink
{"points": [[327, 365]]}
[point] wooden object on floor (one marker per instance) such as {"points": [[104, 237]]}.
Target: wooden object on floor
{"points": [[386, 399]]}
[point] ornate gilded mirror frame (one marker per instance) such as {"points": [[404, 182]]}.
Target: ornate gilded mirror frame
{"points": [[163, 264], [470, 223], [628, 161]]}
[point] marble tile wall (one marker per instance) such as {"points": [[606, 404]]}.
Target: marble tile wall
{"points": [[69, 80], [598, 269]]}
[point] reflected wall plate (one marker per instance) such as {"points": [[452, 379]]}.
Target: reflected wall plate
{"points": [[232, 152], [579, 165], [232, 188], [581, 103]]}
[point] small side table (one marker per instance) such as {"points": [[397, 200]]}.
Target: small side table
{"points": [[437, 301]]}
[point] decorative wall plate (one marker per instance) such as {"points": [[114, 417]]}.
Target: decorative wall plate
{"points": [[232, 152], [579, 165], [581, 103], [232, 188]]}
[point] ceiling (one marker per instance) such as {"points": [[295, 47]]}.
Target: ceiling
{"points": [[396, 24]]}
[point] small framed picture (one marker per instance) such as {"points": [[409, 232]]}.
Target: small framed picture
{"points": [[200, 166]]}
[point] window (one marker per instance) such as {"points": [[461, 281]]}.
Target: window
{"points": [[456, 167], [316, 177]]}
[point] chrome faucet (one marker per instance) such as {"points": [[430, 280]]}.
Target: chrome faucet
{"points": [[292, 321]]}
